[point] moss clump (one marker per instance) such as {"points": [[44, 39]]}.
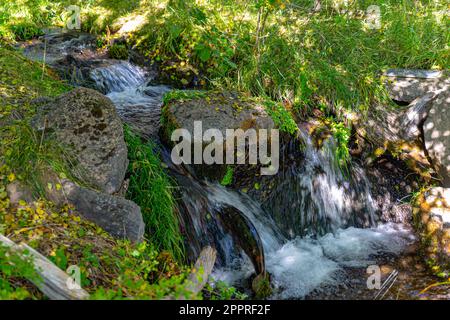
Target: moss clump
{"points": [[118, 51], [261, 286], [183, 95]]}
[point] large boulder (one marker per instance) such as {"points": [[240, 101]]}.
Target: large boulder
{"points": [[86, 121], [399, 131], [215, 110], [436, 131], [432, 217]]}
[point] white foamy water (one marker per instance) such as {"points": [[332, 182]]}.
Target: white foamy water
{"points": [[304, 264]]}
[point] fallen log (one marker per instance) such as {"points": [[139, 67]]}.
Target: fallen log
{"points": [[202, 269], [200, 273], [55, 282]]}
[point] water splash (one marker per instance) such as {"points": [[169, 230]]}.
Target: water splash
{"points": [[302, 265]]}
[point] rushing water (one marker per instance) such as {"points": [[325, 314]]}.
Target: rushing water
{"points": [[327, 203]]}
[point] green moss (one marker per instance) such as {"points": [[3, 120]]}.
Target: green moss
{"points": [[118, 51], [183, 95]]}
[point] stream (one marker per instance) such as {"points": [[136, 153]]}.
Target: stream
{"points": [[326, 257]]}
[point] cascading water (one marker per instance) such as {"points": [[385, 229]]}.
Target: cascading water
{"points": [[319, 238], [315, 196], [118, 77], [137, 103]]}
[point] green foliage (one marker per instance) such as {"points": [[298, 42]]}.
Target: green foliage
{"points": [[281, 117], [341, 134], [26, 152], [219, 290], [29, 154], [14, 269], [275, 48], [228, 177], [25, 31], [151, 188], [118, 51], [109, 268]]}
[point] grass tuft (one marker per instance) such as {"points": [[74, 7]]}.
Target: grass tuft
{"points": [[152, 189]]}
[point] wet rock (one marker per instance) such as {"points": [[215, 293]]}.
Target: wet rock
{"points": [[71, 54], [392, 185], [436, 130], [87, 122], [245, 235], [119, 217], [432, 217], [407, 85]]}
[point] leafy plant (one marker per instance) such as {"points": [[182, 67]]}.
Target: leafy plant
{"points": [[25, 31], [281, 117], [15, 270], [228, 177]]}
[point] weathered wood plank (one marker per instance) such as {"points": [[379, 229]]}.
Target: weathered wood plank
{"points": [[54, 282], [199, 275], [202, 270], [414, 73]]}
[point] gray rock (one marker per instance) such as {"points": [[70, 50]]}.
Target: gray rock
{"points": [[119, 217], [86, 121], [407, 85], [437, 135], [219, 111], [17, 191]]}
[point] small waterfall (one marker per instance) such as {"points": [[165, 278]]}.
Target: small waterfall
{"points": [[304, 264], [308, 231], [137, 103], [314, 196], [118, 77]]}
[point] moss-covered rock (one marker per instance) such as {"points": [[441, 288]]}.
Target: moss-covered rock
{"points": [[87, 121], [432, 220], [215, 110]]}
